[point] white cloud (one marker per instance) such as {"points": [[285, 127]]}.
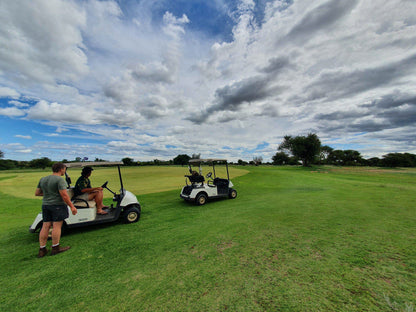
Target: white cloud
{"points": [[327, 66], [11, 112], [15, 148], [9, 93], [27, 137], [43, 41], [58, 112]]}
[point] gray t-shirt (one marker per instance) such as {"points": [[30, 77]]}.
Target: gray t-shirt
{"points": [[50, 187]]}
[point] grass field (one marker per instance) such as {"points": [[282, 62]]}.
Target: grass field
{"points": [[295, 239]]}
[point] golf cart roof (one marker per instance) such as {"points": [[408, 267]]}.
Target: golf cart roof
{"points": [[210, 160], [93, 163]]}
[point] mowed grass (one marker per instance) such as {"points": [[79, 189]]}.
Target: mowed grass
{"points": [[323, 239], [139, 180]]}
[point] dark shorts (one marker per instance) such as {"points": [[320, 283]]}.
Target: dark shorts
{"points": [[53, 213]]}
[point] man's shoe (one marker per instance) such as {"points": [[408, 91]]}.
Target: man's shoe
{"points": [[42, 252], [58, 249]]}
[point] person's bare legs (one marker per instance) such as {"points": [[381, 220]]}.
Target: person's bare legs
{"points": [[98, 197], [56, 236], [44, 233], [56, 232]]}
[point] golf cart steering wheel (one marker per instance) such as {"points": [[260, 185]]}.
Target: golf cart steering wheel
{"points": [[105, 184], [210, 182]]}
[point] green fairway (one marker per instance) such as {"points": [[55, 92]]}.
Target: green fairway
{"points": [[139, 180], [295, 239]]}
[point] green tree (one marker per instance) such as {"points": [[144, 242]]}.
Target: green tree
{"points": [[399, 160], [181, 159], [305, 148], [1, 154], [242, 162], [352, 158], [257, 160], [324, 154], [8, 164], [345, 158], [43, 163], [336, 157], [373, 162], [280, 159], [128, 161]]}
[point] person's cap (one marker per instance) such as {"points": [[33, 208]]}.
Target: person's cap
{"points": [[87, 169]]}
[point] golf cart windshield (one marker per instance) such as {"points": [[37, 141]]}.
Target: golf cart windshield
{"points": [[95, 163], [212, 162]]}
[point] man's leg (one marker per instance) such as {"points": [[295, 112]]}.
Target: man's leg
{"points": [[56, 232], [98, 197], [56, 236], [43, 239], [44, 233]]}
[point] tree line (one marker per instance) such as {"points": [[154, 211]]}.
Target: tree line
{"points": [[298, 150], [45, 162], [308, 150]]}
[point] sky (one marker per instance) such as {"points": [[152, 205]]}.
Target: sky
{"points": [[152, 79]]}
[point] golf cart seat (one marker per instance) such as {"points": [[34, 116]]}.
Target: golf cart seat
{"points": [[196, 178], [79, 202]]}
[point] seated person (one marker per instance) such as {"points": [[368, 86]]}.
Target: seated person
{"points": [[195, 177], [83, 190]]}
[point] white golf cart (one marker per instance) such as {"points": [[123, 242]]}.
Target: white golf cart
{"points": [[126, 204], [199, 190]]}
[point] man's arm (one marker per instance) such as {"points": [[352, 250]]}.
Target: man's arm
{"points": [[67, 200], [38, 192], [84, 186], [91, 190]]}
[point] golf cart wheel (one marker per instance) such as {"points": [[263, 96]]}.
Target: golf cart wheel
{"points": [[232, 194], [201, 199], [132, 215]]}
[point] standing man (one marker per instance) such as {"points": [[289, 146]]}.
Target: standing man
{"points": [[54, 208]]}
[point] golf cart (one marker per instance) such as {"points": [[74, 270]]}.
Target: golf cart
{"points": [[198, 190], [126, 205]]}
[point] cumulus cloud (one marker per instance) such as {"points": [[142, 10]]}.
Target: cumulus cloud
{"points": [[6, 92], [11, 112], [42, 41], [59, 112], [135, 73]]}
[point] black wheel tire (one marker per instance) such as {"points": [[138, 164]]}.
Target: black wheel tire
{"points": [[201, 199], [132, 215], [232, 194]]}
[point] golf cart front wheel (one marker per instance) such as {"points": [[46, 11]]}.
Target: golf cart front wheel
{"points": [[201, 199], [132, 215], [232, 194]]}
